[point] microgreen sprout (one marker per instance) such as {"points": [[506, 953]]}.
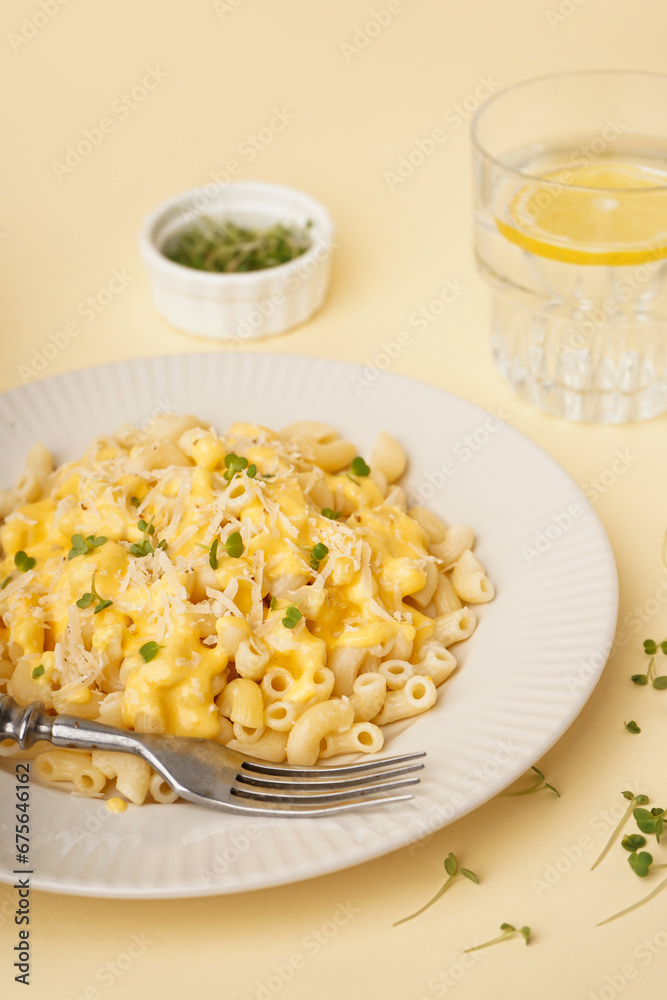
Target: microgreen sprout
{"points": [[5, 582], [145, 546], [222, 245], [234, 545], [149, 651], [538, 786], [213, 553], [650, 822], [633, 842], [251, 471], [135, 501], [651, 648], [92, 596], [358, 467], [636, 905], [508, 931], [632, 727], [641, 863], [235, 464], [318, 553], [38, 671], [82, 546], [634, 800], [453, 873], [292, 616], [23, 562], [333, 515]]}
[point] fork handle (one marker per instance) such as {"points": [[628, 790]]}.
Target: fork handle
{"points": [[30, 725]]}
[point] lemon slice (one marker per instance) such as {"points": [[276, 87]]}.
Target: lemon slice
{"points": [[621, 221]]}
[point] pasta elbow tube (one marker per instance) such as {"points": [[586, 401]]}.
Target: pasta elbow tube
{"points": [[417, 696], [272, 746], [445, 598], [433, 527], [132, 774], [388, 457], [435, 662], [303, 742], [161, 790], [241, 701], [454, 626], [71, 765], [396, 673], [458, 539], [470, 581], [362, 737], [246, 734], [368, 696], [281, 715], [276, 683], [251, 658], [424, 596], [345, 662]]}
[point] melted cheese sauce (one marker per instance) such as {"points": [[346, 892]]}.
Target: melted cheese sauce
{"points": [[194, 607]]}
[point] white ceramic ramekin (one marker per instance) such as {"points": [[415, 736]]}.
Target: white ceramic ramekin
{"points": [[250, 304]]}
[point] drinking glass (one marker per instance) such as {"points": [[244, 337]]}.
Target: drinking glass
{"points": [[570, 181]]}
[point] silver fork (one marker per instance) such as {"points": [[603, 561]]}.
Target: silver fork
{"points": [[209, 774]]}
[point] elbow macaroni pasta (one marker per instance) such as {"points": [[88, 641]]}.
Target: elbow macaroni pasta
{"points": [[266, 590]]}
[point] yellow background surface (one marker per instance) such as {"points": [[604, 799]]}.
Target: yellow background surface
{"points": [[226, 68]]}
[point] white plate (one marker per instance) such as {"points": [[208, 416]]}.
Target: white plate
{"points": [[524, 675]]}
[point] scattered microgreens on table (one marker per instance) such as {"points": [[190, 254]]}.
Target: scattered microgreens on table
{"points": [[641, 862], [453, 874], [632, 727], [651, 648], [539, 786], [82, 546], [92, 596], [634, 800], [508, 932]]}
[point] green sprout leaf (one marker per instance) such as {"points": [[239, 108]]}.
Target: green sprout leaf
{"points": [[84, 601], [251, 471], [660, 683], [318, 553], [142, 548], [102, 606], [639, 679], [38, 671], [640, 863], [633, 842], [234, 545], [23, 562], [453, 873], [234, 464], [87, 599], [508, 932], [5, 582], [149, 651], [292, 616], [647, 821], [650, 647], [213, 554], [538, 786], [358, 467], [135, 501], [82, 546], [333, 515], [632, 727]]}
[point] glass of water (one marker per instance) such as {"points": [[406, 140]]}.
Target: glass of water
{"points": [[570, 178]]}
